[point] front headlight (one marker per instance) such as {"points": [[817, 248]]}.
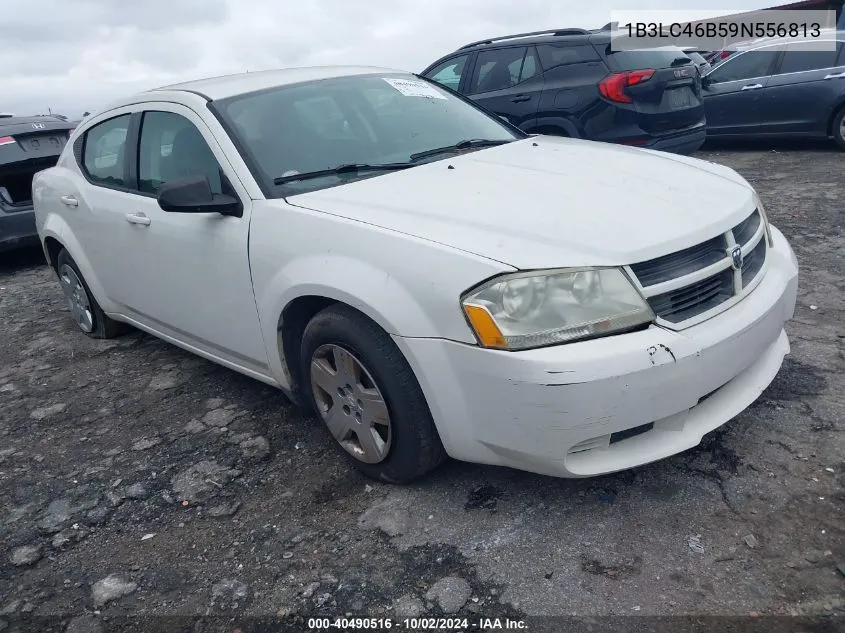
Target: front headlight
{"points": [[765, 219], [535, 309]]}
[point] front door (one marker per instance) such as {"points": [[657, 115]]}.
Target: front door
{"points": [[187, 275]]}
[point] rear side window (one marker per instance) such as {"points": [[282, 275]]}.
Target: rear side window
{"points": [[744, 66], [449, 73], [552, 56], [802, 57], [503, 68], [105, 151], [645, 59]]}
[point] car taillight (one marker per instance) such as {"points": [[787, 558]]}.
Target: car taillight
{"points": [[5, 140], [613, 86]]}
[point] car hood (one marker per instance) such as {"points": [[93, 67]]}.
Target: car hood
{"points": [[550, 202]]}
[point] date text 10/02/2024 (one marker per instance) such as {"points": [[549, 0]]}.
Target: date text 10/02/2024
{"points": [[415, 624]]}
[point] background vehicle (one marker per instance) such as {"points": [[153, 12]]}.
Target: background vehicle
{"points": [[698, 58], [567, 82], [779, 89], [27, 145]]}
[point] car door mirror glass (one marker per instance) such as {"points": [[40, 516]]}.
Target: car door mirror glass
{"points": [[192, 194]]}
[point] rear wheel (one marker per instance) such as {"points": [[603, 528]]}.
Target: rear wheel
{"points": [[839, 128], [367, 396], [84, 309]]}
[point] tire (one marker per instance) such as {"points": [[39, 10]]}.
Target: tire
{"points": [[84, 309], [408, 446], [839, 128]]}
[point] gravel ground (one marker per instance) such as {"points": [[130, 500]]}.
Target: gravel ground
{"points": [[136, 478]]}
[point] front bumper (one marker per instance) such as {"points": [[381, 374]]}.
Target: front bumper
{"points": [[17, 229], [560, 410]]}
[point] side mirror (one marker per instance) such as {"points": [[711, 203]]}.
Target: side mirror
{"points": [[705, 80], [192, 194]]}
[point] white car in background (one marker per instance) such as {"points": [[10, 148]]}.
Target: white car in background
{"points": [[429, 279]]}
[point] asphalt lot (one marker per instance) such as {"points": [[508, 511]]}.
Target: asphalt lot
{"points": [[101, 441]]}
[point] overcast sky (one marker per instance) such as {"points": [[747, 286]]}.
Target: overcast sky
{"points": [[74, 55]]}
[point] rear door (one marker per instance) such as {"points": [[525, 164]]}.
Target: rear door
{"points": [[571, 71], [508, 82], [798, 98], [666, 100], [733, 91]]}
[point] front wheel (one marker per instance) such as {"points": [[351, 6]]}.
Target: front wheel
{"points": [[368, 397]]}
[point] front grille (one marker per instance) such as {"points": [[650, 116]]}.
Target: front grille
{"points": [[679, 302], [689, 301], [746, 229], [656, 271], [753, 262]]}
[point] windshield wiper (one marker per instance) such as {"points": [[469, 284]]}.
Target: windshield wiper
{"points": [[460, 145], [350, 168]]}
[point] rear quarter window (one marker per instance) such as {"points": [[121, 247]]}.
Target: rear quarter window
{"points": [[552, 56]]}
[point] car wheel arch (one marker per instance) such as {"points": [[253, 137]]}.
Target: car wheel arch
{"points": [[555, 126], [54, 238], [836, 111], [291, 325], [52, 248]]}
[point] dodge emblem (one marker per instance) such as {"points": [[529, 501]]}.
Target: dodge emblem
{"points": [[736, 257]]}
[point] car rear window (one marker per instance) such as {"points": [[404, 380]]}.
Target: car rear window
{"points": [[637, 60]]}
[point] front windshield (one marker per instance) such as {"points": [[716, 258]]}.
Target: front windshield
{"points": [[362, 119]]}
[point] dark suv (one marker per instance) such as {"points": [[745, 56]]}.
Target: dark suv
{"points": [[568, 82]]}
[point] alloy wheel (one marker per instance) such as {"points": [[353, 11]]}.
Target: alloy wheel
{"points": [[351, 404], [77, 298]]}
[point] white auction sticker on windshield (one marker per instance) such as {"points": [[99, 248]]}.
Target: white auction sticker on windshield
{"points": [[411, 88]]}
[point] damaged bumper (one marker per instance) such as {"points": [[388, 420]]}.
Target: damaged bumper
{"points": [[609, 404]]}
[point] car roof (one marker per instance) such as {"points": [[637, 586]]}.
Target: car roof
{"points": [[224, 86], [558, 36], [825, 34]]}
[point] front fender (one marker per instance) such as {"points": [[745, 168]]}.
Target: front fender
{"points": [[383, 298]]}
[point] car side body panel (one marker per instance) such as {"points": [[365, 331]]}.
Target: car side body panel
{"points": [[380, 272]]}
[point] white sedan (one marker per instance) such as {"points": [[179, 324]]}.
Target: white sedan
{"points": [[431, 280]]}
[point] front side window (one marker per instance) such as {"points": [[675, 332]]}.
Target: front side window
{"points": [[808, 56], [449, 73], [172, 147], [744, 66], [503, 68], [105, 150], [373, 120]]}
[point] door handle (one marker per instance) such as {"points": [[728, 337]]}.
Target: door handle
{"points": [[839, 76], [521, 98], [752, 87], [69, 201], [138, 218]]}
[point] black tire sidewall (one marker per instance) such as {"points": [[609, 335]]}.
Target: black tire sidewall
{"points": [[837, 129], [415, 445]]}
